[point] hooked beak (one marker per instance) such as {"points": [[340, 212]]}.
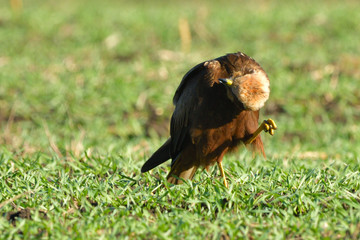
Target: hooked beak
{"points": [[226, 81]]}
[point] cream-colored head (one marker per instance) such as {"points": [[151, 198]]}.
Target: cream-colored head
{"points": [[252, 89]]}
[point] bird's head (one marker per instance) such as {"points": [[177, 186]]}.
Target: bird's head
{"points": [[250, 87]]}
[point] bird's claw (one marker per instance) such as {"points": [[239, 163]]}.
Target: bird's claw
{"points": [[270, 126], [267, 126]]}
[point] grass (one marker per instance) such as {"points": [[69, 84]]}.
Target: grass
{"points": [[85, 98]]}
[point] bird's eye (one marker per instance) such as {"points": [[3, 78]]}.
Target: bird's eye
{"points": [[251, 71]]}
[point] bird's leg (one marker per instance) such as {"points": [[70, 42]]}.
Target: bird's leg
{"points": [[222, 174], [267, 126]]}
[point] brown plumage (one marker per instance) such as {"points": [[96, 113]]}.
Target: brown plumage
{"points": [[216, 108]]}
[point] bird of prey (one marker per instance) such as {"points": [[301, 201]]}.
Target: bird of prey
{"points": [[216, 109]]}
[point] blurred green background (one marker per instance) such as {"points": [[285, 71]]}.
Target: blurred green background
{"points": [[95, 79], [103, 74]]}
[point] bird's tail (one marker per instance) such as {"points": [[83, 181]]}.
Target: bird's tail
{"points": [[176, 175], [184, 167], [160, 156]]}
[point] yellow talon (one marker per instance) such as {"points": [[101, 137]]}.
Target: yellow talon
{"points": [[270, 126], [272, 123], [271, 132], [267, 125]]}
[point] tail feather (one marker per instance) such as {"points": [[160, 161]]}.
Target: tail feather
{"points": [[183, 167], [175, 176], [160, 156]]}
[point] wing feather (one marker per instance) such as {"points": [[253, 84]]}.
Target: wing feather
{"points": [[185, 100]]}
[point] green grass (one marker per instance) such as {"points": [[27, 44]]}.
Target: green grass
{"points": [[85, 98]]}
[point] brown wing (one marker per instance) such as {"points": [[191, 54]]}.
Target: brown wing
{"points": [[185, 100], [199, 71], [187, 77]]}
